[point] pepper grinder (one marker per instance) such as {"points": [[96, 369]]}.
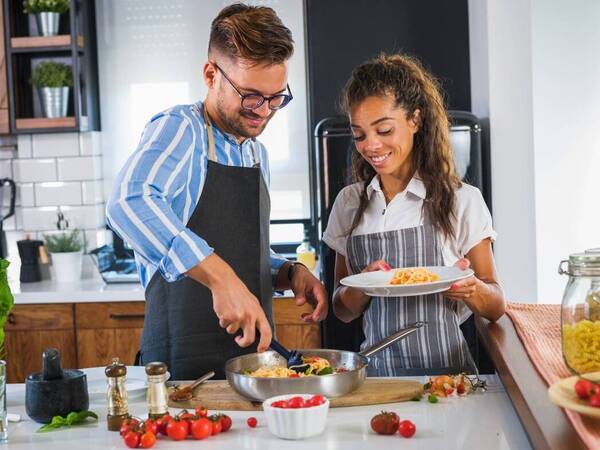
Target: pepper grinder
{"points": [[157, 395], [116, 394]]}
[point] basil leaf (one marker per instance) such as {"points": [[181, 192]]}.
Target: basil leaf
{"points": [[72, 418], [325, 371]]}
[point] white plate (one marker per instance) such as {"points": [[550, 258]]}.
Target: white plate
{"points": [[377, 284], [135, 382]]}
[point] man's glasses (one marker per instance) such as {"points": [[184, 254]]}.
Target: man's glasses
{"points": [[253, 101]]}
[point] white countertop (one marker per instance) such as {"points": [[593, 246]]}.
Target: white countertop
{"points": [[478, 421]]}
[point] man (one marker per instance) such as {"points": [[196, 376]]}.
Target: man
{"points": [[193, 203]]}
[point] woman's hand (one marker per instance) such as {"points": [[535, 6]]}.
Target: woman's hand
{"points": [[463, 290]]}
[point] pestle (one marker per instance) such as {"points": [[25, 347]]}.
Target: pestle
{"points": [[51, 368]]}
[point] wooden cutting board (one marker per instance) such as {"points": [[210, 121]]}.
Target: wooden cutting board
{"points": [[218, 395]]}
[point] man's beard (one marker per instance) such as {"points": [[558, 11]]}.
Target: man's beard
{"points": [[235, 125]]}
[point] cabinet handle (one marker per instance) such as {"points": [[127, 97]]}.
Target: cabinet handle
{"points": [[127, 316], [11, 319]]}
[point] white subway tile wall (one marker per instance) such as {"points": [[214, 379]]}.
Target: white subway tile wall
{"points": [[55, 172], [47, 194], [59, 144]]}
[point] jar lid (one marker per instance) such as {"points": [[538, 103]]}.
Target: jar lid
{"points": [[116, 369], [156, 368], [589, 258]]}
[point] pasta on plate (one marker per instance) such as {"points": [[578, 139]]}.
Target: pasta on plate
{"points": [[414, 275]]}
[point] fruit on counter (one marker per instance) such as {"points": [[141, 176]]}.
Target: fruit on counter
{"points": [[201, 428], [201, 411], [588, 390], [148, 439], [447, 385], [252, 422], [385, 422], [216, 425], [132, 439], [162, 424], [225, 421], [177, 429], [406, 428]]}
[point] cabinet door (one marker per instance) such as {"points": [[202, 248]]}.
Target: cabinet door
{"points": [[290, 329], [108, 330], [30, 329]]}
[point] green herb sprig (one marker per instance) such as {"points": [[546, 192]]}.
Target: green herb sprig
{"points": [[67, 241], [73, 418], [39, 6], [6, 302]]}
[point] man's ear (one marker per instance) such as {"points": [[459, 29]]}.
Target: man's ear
{"points": [[210, 74]]}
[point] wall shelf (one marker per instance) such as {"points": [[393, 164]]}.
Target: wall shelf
{"points": [[75, 45]]}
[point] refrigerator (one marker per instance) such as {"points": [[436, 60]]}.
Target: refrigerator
{"points": [[332, 171]]}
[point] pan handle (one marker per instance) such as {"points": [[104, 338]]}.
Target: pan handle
{"points": [[391, 339]]}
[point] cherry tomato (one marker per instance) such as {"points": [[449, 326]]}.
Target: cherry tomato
{"points": [[385, 422], [406, 428], [296, 402], [460, 389], [280, 404], [132, 439], [187, 416], [594, 400], [226, 422], [148, 439], [216, 426], [177, 429], [315, 400], [201, 411], [583, 388], [252, 422], [201, 428], [151, 425], [294, 375], [162, 423], [129, 424]]}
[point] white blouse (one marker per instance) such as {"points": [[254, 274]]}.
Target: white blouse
{"points": [[473, 219]]}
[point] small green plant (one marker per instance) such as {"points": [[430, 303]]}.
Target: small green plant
{"points": [[52, 74], [6, 302], [67, 241], [39, 6]]}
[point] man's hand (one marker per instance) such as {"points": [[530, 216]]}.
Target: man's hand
{"points": [[308, 289], [234, 305]]}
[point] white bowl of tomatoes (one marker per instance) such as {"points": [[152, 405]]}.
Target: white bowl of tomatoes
{"points": [[296, 416]]}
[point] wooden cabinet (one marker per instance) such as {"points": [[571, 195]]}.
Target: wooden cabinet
{"points": [[91, 334], [30, 329], [108, 330], [291, 330]]}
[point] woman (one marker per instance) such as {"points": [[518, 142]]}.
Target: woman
{"points": [[409, 209]]}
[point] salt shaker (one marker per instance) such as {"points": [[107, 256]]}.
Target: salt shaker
{"points": [[116, 394], [157, 395]]}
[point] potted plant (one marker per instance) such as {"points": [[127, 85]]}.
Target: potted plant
{"points": [[47, 14], [53, 80], [66, 251]]}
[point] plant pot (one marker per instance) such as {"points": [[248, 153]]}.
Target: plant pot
{"points": [[67, 266], [55, 101], [47, 23]]}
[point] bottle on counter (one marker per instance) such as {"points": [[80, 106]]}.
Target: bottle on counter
{"points": [[305, 253], [157, 394], [580, 314], [116, 393]]}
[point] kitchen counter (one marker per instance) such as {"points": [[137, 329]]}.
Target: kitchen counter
{"points": [[479, 421], [546, 423]]}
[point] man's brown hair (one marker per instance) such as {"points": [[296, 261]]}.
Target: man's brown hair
{"points": [[252, 33]]}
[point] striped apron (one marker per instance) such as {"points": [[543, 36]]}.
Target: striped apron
{"points": [[437, 348]]}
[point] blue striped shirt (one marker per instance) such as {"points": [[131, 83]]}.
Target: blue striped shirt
{"points": [[160, 185]]}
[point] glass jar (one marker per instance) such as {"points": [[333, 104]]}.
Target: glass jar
{"points": [[306, 254], [580, 315]]}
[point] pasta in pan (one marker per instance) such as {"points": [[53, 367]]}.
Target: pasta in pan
{"points": [[414, 275], [317, 366]]}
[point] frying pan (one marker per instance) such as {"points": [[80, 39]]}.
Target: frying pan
{"points": [[334, 385]]}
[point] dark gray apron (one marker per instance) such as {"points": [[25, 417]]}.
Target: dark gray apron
{"points": [[437, 348], [232, 215]]}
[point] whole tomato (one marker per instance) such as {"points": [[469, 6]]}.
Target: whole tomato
{"points": [[385, 422], [252, 422], [201, 428], [583, 388], [280, 404], [177, 429], [225, 422], [201, 411], [594, 400], [217, 427], [132, 439], [151, 425], [148, 439], [315, 400], [129, 424], [406, 428], [184, 415], [296, 402]]}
